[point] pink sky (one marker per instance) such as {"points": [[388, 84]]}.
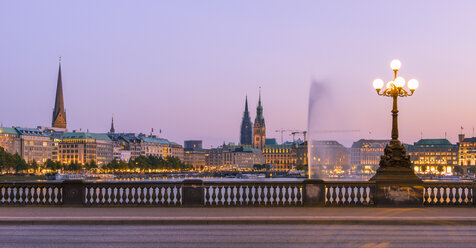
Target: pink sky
{"points": [[185, 67]]}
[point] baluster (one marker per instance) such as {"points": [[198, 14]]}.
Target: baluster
{"points": [[432, 196], [41, 196], [206, 192], [172, 195], [464, 199], [213, 195], [426, 195], [286, 195], [254, 190], [280, 201], [445, 196], [276, 200], [140, 194], [438, 195], [47, 195], [265, 195], [341, 194], [101, 199], [60, 195], [220, 195], [299, 195], [352, 195], [267, 200], [225, 197], [166, 195], [17, 194], [106, 195], [179, 195], [1, 194], [365, 200], [470, 196], [88, 195], [246, 195], [238, 188], [94, 199], [153, 196], [451, 196], [459, 197], [22, 197]]}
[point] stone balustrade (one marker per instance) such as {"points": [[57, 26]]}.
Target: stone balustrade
{"points": [[235, 194]]}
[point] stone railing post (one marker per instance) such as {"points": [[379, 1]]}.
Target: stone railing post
{"points": [[314, 193], [192, 193], [399, 193], [474, 192], [73, 193]]}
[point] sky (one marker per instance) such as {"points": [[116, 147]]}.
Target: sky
{"points": [[185, 67]]}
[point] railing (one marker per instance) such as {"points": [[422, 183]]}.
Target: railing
{"points": [[237, 193], [349, 193], [31, 193], [253, 194], [136, 194], [448, 194]]}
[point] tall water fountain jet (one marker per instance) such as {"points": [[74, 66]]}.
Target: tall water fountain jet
{"points": [[328, 126]]}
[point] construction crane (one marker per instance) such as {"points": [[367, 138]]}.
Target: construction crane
{"points": [[297, 132], [322, 131], [283, 131]]}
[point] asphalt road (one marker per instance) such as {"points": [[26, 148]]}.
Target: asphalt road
{"points": [[230, 236]]}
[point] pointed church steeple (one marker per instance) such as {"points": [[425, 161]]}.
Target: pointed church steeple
{"points": [[59, 113], [259, 128], [112, 130], [246, 132]]}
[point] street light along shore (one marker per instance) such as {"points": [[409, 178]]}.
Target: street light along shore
{"points": [[395, 165]]}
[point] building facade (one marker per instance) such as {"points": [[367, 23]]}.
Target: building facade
{"points": [[436, 156], [281, 157], [10, 140], [467, 152], [230, 157], [365, 154], [82, 148]]}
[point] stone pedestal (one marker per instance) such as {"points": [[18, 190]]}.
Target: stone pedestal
{"points": [[73, 193], [390, 194], [314, 193], [193, 193]]}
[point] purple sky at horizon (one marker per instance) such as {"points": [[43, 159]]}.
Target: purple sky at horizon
{"points": [[185, 67]]}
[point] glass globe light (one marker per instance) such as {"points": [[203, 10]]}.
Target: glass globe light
{"points": [[378, 84], [399, 82], [413, 84], [389, 84], [395, 64]]}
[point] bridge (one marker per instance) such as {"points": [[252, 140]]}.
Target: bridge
{"points": [[196, 213]]}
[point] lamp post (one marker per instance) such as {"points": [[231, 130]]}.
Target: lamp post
{"points": [[395, 165]]}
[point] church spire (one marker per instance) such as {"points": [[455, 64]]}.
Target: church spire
{"points": [[112, 130], [59, 113], [246, 132], [259, 128]]}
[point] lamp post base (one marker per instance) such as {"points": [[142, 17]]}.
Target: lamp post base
{"points": [[396, 182]]}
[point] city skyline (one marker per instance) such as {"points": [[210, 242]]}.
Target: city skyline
{"points": [[195, 90]]}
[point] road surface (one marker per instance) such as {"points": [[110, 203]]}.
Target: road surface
{"points": [[230, 236]]}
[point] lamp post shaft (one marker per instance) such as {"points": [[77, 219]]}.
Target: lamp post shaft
{"points": [[395, 119]]}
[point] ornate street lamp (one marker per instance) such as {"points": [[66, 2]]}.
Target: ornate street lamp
{"points": [[395, 165]]}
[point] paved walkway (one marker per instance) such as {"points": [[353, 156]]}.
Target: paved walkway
{"points": [[259, 215]]}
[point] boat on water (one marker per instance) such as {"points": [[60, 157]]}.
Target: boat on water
{"points": [[253, 176]]}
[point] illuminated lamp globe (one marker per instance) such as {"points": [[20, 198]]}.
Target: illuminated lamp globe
{"points": [[395, 64], [399, 82], [389, 85], [378, 84], [413, 84]]}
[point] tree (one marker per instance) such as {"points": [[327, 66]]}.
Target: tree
{"points": [[458, 170], [34, 165], [440, 169], [91, 165], [20, 163], [472, 169], [423, 168]]}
